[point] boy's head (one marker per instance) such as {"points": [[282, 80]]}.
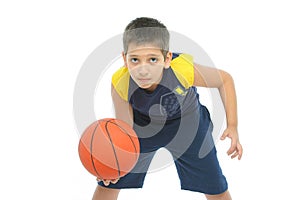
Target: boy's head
{"points": [[146, 51], [146, 31]]}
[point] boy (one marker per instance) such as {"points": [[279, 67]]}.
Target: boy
{"points": [[155, 92]]}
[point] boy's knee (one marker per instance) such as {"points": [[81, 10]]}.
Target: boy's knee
{"points": [[223, 196], [105, 193]]}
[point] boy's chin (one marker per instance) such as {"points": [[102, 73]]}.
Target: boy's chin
{"points": [[148, 87], [145, 87]]}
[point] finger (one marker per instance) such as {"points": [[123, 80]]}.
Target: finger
{"points": [[98, 179], [231, 150], [240, 157], [240, 150], [106, 182], [114, 181], [235, 155], [224, 135], [232, 147]]}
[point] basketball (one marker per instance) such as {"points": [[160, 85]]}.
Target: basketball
{"points": [[109, 148]]}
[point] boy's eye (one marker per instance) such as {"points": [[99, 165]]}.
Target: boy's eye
{"points": [[134, 60], [153, 60]]}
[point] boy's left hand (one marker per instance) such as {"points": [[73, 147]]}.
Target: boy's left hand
{"points": [[236, 148]]}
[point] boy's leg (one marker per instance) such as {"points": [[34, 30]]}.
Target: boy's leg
{"points": [[222, 196], [199, 172], [105, 193]]}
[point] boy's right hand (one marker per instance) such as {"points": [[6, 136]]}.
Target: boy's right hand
{"points": [[107, 182]]}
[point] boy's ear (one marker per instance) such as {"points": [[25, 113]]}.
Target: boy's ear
{"points": [[168, 60], [124, 59]]}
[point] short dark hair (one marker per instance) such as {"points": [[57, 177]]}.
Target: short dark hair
{"points": [[145, 30]]}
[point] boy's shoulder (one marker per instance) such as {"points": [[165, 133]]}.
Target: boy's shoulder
{"points": [[176, 55], [183, 66], [120, 81]]}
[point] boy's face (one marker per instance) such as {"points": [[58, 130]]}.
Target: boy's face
{"points": [[146, 64]]}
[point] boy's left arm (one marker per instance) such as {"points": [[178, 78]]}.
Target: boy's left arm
{"points": [[215, 78]]}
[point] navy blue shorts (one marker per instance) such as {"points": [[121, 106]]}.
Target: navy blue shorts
{"points": [[190, 142]]}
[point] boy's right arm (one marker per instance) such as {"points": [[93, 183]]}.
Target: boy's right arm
{"points": [[123, 111]]}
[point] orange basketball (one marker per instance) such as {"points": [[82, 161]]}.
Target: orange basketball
{"points": [[109, 148]]}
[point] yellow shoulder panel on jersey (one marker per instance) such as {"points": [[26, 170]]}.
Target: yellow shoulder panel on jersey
{"points": [[183, 67], [120, 81]]}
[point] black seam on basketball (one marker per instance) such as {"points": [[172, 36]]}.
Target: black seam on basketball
{"points": [[135, 149], [113, 147], [91, 150]]}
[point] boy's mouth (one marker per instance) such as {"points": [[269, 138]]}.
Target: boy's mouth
{"points": [[144, 80]]}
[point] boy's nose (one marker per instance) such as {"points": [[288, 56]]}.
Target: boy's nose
{"points": [[143, 70]]}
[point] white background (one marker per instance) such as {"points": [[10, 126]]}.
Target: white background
{"points": [[44, 44]]}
